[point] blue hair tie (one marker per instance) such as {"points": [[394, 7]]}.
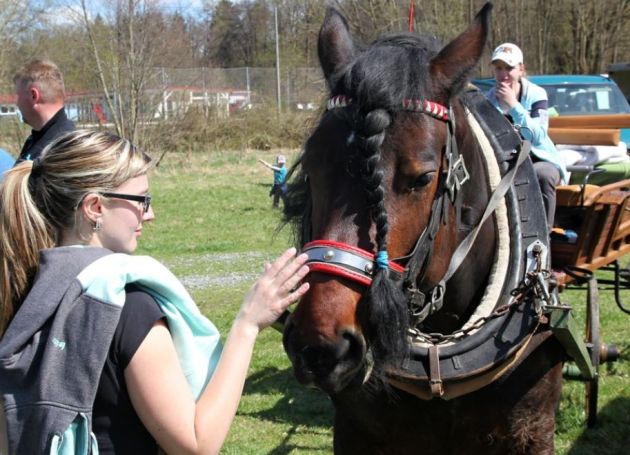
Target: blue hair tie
{"points": [[382, 260]]}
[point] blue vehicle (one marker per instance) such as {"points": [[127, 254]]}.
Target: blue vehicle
{"points": [[6, 162], [578, 95]]}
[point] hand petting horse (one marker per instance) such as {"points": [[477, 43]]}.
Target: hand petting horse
{"points": [[413, 200]]}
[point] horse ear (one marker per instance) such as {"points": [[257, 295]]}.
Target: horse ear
{"points": [[458, 58], [335, 47]]}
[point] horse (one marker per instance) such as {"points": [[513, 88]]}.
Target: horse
{"points": [[410, 230]]}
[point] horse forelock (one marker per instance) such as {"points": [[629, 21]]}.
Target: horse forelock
{"points": [[393, 68]]}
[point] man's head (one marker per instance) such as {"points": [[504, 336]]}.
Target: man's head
{"points": [[40, 91]]}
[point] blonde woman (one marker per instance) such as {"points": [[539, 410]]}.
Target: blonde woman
{"points": [[525, 105], [94, 337]]}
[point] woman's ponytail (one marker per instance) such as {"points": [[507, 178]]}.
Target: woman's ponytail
{"points": [[23, 233]]}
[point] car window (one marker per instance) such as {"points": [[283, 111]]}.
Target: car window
{"points": [[586, 99]]}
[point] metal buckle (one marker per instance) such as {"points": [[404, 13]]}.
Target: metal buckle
{"points": [[437, 297], [456, 177]]}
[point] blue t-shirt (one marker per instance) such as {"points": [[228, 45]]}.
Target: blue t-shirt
{"points": [[279, 176]]}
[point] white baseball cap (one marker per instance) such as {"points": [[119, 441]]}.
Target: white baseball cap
{"points": [[281, 159], [508, 53]]}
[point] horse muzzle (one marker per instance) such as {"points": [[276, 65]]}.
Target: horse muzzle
{"points": [[330, 365]]}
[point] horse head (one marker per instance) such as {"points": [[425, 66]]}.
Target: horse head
{"points": [[382, 199]]}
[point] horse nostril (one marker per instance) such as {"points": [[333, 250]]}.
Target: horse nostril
{"points": [[354, 344], [315, 358], [323, 358]]}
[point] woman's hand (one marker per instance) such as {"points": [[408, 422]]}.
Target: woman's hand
{"points": [[506, 95], [273, 292]]}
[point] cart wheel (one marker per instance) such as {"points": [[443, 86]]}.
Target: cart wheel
{"points": [[593, 341]]}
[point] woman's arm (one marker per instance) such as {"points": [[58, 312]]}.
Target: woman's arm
{"points": [[506, 97], [157, 387], [537, 126], [270, 166]]}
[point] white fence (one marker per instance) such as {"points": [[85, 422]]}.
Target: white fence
{"points": [[171, 92]]}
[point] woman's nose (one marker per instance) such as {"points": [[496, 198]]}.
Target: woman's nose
{"points": [[149, 214]]}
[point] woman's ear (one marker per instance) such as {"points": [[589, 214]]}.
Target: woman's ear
{"points": [[92, 207]]}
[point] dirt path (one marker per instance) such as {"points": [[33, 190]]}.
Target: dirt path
{"points": [[220, 269]]}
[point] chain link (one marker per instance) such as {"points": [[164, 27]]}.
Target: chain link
{"points": [[533, 283], [438, 338]]}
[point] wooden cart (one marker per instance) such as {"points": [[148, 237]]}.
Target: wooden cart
{"points": [[600, 218], [595, 225]]}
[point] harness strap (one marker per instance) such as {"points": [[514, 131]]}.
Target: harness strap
{"points": [[465, 385], [504, 185], [435, 380]]}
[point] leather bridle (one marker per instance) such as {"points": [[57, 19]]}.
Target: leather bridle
{"points": [[356, 264]]}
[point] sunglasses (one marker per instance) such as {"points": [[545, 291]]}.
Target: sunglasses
{"points": [[146, 199]]}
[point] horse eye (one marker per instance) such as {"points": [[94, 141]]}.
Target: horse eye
{"points": [[422, 180]]}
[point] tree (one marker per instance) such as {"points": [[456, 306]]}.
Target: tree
{"points": [[225, 46], [15, 27], [123, 50]]}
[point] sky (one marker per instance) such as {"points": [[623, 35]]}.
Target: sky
{"points": [[62, 11]]}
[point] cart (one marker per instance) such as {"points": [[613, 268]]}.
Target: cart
{"points": [[593, 233]]}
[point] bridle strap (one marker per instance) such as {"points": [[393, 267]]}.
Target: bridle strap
{"points": [[340, 259], [431, 108], [417, 261], [504, 185]]}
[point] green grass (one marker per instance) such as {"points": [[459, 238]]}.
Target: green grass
{"points": [[215, 228], [611, 435]]}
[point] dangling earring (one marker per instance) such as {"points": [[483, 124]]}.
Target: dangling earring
{"points": [[98, 225]]}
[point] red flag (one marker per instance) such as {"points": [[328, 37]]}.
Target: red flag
{"points": [[411, 14]]}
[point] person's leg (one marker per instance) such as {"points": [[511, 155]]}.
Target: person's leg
{"points": [[275, 190], [548, 178]]}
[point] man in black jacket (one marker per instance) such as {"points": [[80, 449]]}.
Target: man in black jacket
{"points": [[40, 98]]}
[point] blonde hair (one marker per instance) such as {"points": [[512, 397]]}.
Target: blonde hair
{"points": [[46, 76], [39, 199]]}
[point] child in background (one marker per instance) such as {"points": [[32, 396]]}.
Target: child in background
{"points": [[279, 188]]}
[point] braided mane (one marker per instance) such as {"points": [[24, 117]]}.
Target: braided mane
{"points": [[379, 80]]}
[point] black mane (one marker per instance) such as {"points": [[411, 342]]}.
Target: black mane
{"points": [[377, 81], [391, 69]]}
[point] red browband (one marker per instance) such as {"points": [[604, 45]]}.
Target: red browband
{"points": [[426, 107]]}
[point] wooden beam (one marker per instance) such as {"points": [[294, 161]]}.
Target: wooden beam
{"points": [[590, 121], [584, 136]]}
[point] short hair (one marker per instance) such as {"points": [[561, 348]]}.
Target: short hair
{"points": [[46, 76]]}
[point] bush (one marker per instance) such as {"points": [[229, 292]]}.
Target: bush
{"points": [[259, 129]]}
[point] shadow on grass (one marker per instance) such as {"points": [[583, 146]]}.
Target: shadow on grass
{"points": [[305, 409], [610, 436]]}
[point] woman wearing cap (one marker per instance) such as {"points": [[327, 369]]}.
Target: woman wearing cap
{"points": [[525, 105]]}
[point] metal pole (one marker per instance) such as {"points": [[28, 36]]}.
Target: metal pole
{"points": [[249, 98], [278, 99]]}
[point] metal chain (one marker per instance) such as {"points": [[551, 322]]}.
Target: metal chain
{"points": [[436, 338], [533, 283]]}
